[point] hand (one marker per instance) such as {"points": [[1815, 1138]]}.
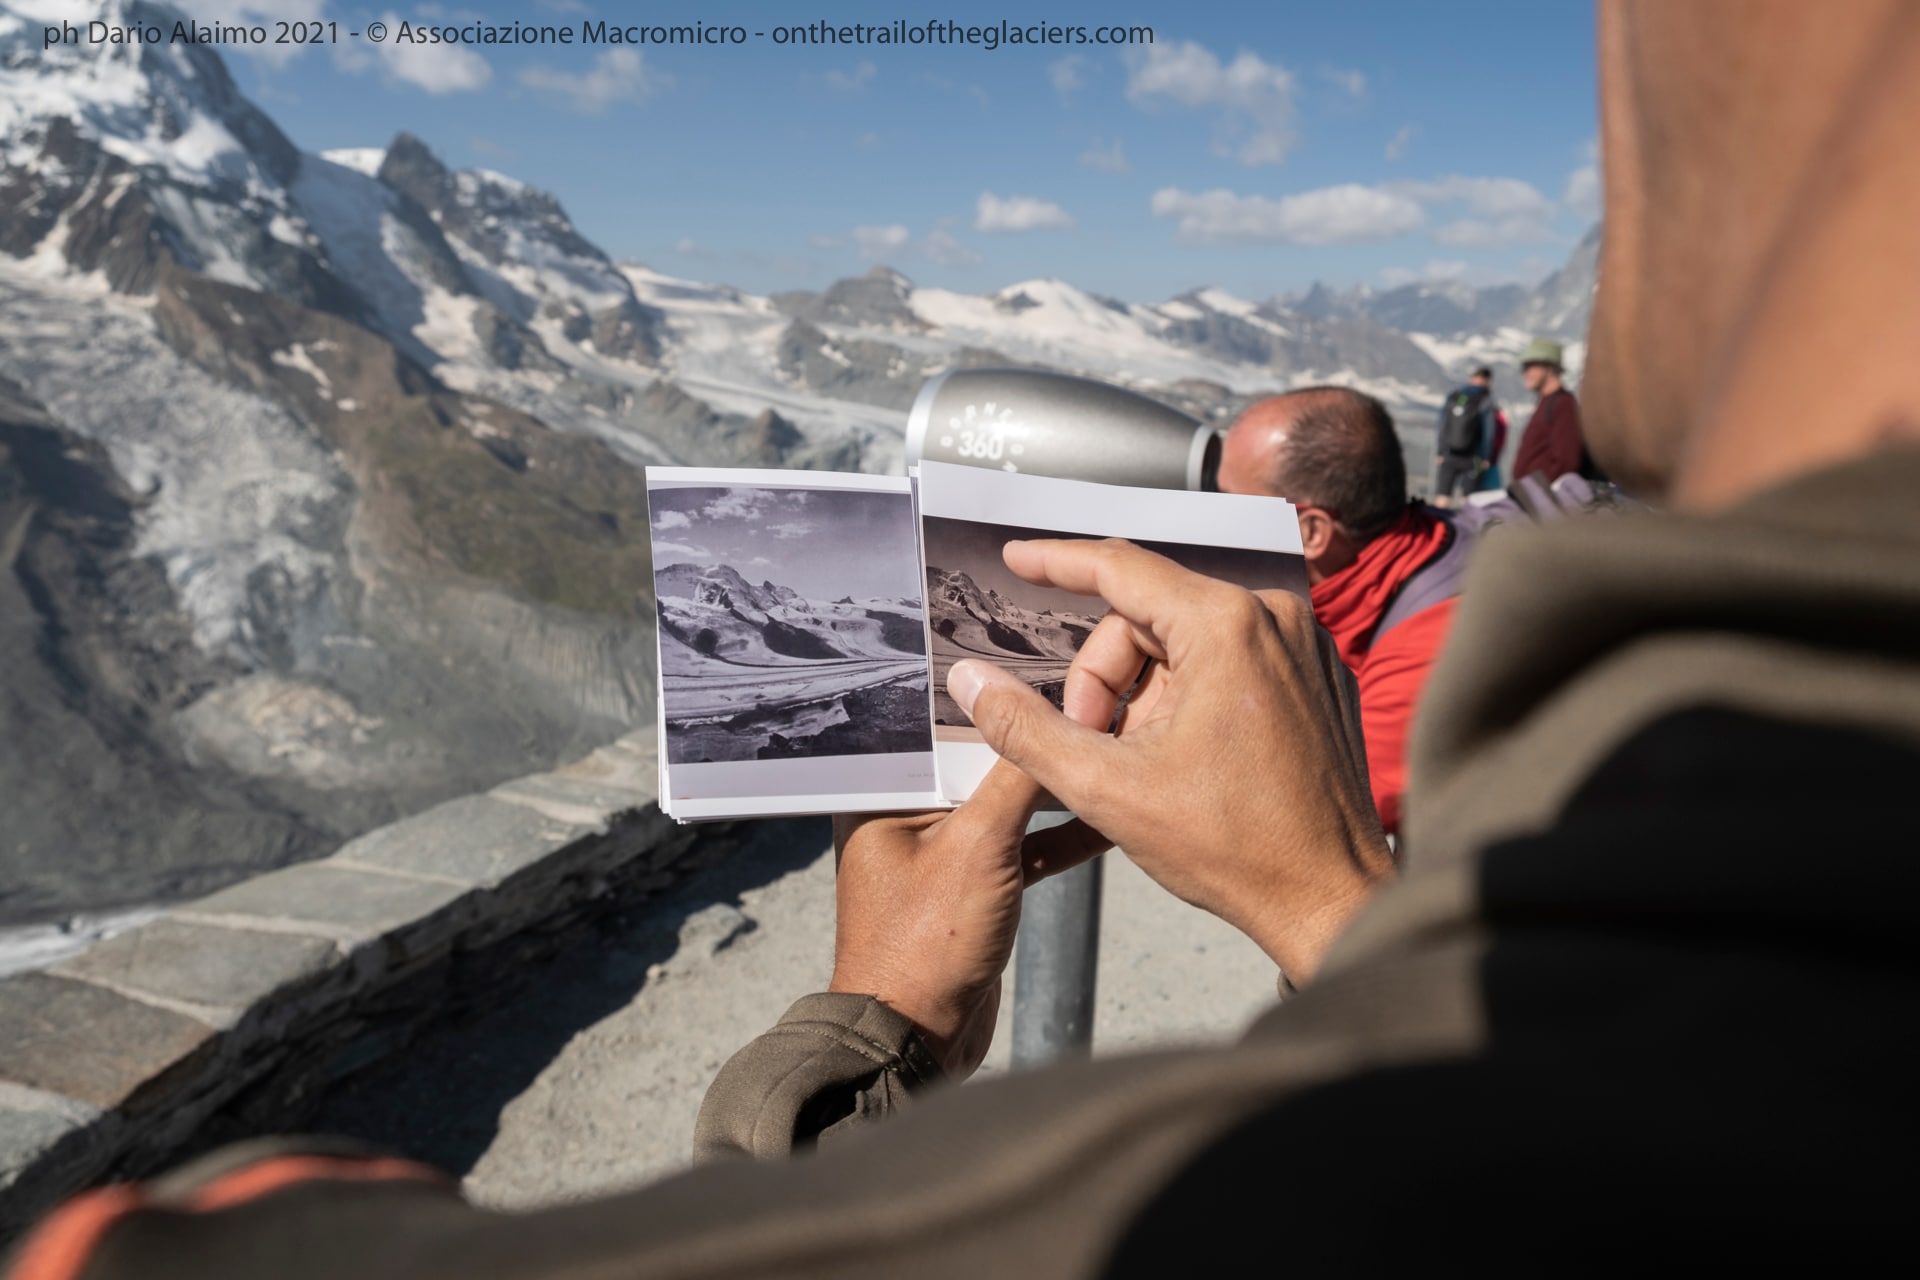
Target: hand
{"points": [[1238, 779], [928, 905]]}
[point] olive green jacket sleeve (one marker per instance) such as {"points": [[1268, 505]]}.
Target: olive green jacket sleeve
{"points": [[832, 1064]]}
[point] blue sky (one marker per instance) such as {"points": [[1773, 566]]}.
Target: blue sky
{"points": [[1257, 148]]}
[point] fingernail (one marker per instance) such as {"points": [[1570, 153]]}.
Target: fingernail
{"points": [[964, 683]]}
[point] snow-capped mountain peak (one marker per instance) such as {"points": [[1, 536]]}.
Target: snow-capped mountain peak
{"points": [[169, 106]]}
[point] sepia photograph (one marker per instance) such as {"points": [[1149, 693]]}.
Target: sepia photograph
{"points": [[792, 629], [979, 608]]}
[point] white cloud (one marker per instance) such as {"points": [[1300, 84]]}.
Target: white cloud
{"points": [[1065, 75], [437, 68], [1398, 143], [662, 549], [739, 504], [1254, 97], [1508, 210], [563, 6], [617, 75], [672, 520], [1480, 212], [878, 242], [1019, 213], [761, 562], [821, 241], [791, 529], [942, 247], [1494, 197], [1351, 83], [851, 81], [1331, 215], [1582, 195], [1583, 191], [1106, 159]]}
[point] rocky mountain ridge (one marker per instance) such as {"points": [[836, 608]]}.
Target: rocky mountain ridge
{"points": [[978, 621], [712, 616]]}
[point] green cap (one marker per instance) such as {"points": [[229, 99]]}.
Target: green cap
{"points": [[1543, 351]]}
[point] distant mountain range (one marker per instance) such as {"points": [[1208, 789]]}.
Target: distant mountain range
{"points": [[375, 426]]}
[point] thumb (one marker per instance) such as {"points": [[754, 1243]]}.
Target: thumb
{"points": [[1000, 806], [1026, 730]]}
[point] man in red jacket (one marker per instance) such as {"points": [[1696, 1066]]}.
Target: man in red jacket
{"points": [[1383, 572]]}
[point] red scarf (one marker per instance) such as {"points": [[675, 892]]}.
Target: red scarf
{"points": [[1350, 602]]}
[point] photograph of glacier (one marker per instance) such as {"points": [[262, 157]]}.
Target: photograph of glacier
{"points": [[981, 609], [791, 623]]}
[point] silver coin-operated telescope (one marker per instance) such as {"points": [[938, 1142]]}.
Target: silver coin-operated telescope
{"points": [[1051, 424]]}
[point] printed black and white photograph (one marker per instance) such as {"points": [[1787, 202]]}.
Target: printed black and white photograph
{"points": [[792, 627], [979, 608]]}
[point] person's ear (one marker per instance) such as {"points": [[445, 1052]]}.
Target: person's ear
{"points": [[1316, 532]]}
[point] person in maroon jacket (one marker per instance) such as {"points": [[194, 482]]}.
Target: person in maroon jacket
{"points": [[1553, 445]]}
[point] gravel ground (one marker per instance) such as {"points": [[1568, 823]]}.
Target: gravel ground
{"points": [[590, 1081]]}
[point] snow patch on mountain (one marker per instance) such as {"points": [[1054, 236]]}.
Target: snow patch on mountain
{"points": [[363, 160]]}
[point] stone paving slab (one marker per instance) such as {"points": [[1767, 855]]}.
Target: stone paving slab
{"points": [[575, 798], [476, 840], [219, 972], [88, 1043], [410, 918]]}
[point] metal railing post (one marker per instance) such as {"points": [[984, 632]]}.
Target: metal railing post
{"points": [[1055, 958]]}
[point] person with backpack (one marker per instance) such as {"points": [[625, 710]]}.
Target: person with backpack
{"points": [[1492, 477], [1469, 424]]}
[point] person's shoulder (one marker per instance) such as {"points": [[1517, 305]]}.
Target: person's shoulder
{"points": [[1414, 643]]}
